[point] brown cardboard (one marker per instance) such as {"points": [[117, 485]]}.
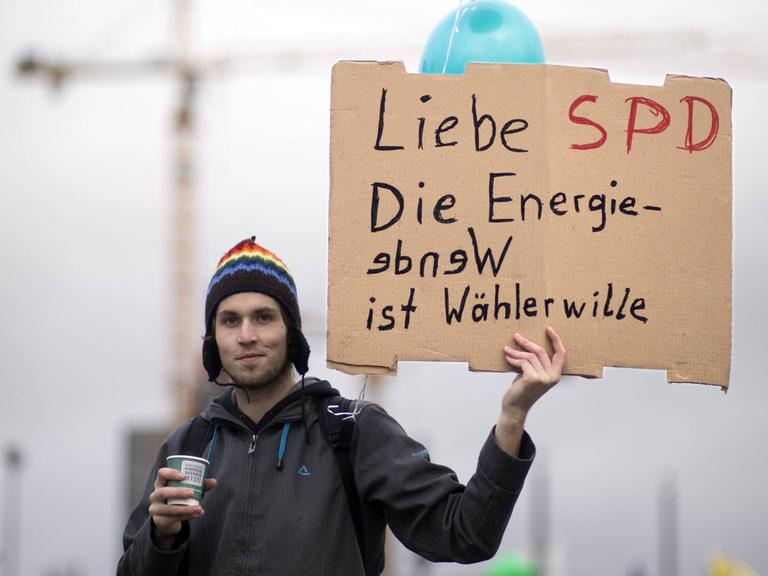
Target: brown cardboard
{"points": [[653, 155]]}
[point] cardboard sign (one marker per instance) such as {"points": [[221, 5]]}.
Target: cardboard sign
{"points": [[514, 197]]}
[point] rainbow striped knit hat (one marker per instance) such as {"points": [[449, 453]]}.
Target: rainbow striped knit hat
{"points": [[248, 267]]}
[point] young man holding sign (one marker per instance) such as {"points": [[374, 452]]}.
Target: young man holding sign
{"points": [[277, 501]]}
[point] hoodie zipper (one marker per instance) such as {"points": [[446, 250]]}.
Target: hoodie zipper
{"points": [[221, 421]]}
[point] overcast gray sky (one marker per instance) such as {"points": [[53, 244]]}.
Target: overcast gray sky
{"points": [[84, 232]]}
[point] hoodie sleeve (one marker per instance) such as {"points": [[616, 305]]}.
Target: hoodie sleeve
{"points": [[425, 505], [140, 555]]}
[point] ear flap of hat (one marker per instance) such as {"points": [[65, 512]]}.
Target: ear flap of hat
{"points": [[211, 360], [300, 352]]}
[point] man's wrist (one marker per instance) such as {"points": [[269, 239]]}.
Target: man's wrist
{"points": [[513, 417], [509, 430], [162, 541]]}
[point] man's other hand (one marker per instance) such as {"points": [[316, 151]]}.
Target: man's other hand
{"points": [[167, 518]]}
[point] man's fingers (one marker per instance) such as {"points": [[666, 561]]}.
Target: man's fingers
{"points": [[521, 360], [558, 359], [530, 357], [517, 357], [515, 353], [554, 337], [515, 362], [534, 348], [165, 493], [522, 367], [210, 484], [174, 512], [165, 474]]}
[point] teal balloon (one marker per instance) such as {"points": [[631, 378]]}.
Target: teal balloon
{"points": [[487, 31]]}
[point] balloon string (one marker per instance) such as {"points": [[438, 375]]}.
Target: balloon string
{"points": [[454, 29], [332, 408]]}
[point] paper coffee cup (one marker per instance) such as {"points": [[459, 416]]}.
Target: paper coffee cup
{"points": [[194, 469]]}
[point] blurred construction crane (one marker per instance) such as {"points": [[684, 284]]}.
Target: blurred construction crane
{"points": [[186, 72]]}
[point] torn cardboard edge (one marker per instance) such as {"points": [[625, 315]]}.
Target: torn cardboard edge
{"points": [[474, 68], [356, 370]]}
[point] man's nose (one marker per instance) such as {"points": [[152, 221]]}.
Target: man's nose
{"points": [[248, 333]]}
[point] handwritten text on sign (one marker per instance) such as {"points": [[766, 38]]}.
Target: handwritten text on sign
{"points": [[521, 196]]}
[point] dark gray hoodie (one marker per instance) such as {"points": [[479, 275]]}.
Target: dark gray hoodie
{"points": [[262, 520]]}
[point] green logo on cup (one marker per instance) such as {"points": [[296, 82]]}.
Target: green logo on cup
{"points": [[194, 469]]}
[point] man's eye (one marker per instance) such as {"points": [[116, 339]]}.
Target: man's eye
{"points": [[229, 321], [264, 318]]}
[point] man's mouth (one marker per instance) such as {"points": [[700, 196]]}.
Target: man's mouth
{"points": [[250, 356]]}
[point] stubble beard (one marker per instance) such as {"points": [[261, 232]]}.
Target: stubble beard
{"points": [[272, 377]]}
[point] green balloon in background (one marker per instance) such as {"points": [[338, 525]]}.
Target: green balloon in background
{"points": [[512, 565], [486, 31]]}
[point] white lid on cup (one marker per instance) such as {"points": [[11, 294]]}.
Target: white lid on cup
{"points": [[188, 457]]}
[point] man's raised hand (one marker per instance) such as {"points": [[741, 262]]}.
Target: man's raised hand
{"points": [[538, 372]]}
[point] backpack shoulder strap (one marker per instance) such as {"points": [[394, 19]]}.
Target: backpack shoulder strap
{"points": [[337, 429], [195, 443], [197, 438], [339, 433]]}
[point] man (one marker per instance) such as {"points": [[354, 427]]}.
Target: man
{"points": [[275, 501]]}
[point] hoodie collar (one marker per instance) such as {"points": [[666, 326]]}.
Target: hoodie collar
{"points": [[222, 410]]}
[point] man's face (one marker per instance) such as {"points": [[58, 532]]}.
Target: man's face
{"points": [[252, 338]]}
